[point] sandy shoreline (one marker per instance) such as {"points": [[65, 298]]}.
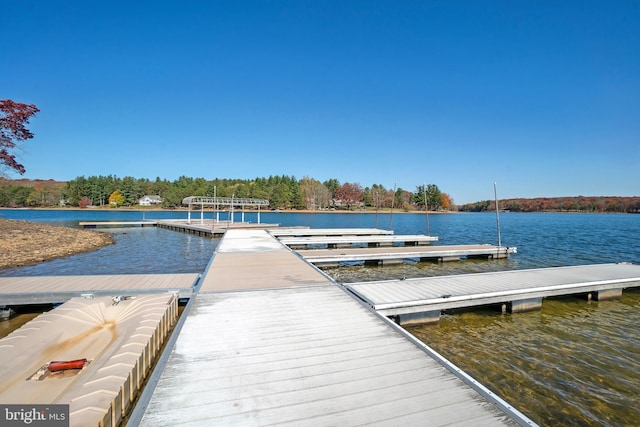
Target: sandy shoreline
{"points": [[24, 243]]}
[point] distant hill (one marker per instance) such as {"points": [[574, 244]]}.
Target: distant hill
{"points": [[30, 192], [613, 204], [33, 183]]}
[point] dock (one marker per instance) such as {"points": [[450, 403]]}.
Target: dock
{"points": [[58, 289], [107, 224], [397, 254], [422, 300], [270, 339], [314, 232], [204, 228], [334, 242]]}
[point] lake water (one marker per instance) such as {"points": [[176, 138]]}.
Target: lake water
{"points": [[572, 363]]}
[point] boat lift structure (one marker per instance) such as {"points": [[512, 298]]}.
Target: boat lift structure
{"points": [[217, 202]]}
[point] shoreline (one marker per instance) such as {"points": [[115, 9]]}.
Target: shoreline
{"points": [[27, 243], [286, 211]]}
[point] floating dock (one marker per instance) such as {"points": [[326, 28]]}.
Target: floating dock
{"points": [[268, 338], [314, 232], [397, 254], [277, 342], [58, 289], [422, 300], [205, 228], [111, 224], [119, 341], [333, 242]]}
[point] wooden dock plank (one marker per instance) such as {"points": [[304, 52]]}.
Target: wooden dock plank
{"points": [[393, 297]]}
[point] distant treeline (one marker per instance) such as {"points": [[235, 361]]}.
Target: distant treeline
{"points": [[559, 204], [283, 192]]}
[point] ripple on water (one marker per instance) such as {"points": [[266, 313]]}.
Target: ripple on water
{"points": [[572, 363], [137, 250]]}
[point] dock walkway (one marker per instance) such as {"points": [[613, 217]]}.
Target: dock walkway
{"points": [[56, 289], [348, 241], [307, 232], [396, 254], [106, 224], [271, 340], [422, 299]]}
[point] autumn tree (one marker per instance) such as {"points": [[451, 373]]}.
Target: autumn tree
{"points": [[447, 202], [350, 194], [316, 195], [14, 117], [84, 202], [116, 199]]}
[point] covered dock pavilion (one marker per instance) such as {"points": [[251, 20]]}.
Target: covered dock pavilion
{"points": [[217, 202]]}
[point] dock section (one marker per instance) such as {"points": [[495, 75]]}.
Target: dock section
{"points": [[308, 232], [271, 340], [115, 224], [397, 254], [421, 300], [253, 259], [58, 289], [333, 242]]}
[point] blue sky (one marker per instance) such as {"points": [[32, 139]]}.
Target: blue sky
{"points": [[542, 97]]}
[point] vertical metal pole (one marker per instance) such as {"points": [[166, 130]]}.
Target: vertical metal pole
{"points": [[393, 200], [231, 208], [202, 212], [377, 199], [215, 204], [495, 195], [258, 212], [426, 209]]}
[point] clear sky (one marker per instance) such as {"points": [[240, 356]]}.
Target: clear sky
{"points": [[542, 97]]}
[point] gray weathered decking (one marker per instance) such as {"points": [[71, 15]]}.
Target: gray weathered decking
{"points": [[106, 224], [304, 356], [302, 352], [56, 289], [394, 297], [398, 253], [375, 240], [302, 232]]}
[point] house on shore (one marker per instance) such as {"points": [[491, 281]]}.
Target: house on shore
{"points": [[150, 201]]}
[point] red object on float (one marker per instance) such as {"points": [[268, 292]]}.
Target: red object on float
{"points": [[56, 366]]}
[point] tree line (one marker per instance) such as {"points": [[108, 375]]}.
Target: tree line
{"points": [[283, 192], [559, 204]]}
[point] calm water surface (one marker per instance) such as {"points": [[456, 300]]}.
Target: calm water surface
{"points": [[572, 363]]}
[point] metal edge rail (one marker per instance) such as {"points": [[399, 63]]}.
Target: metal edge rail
{"points": [[135, 418]]}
